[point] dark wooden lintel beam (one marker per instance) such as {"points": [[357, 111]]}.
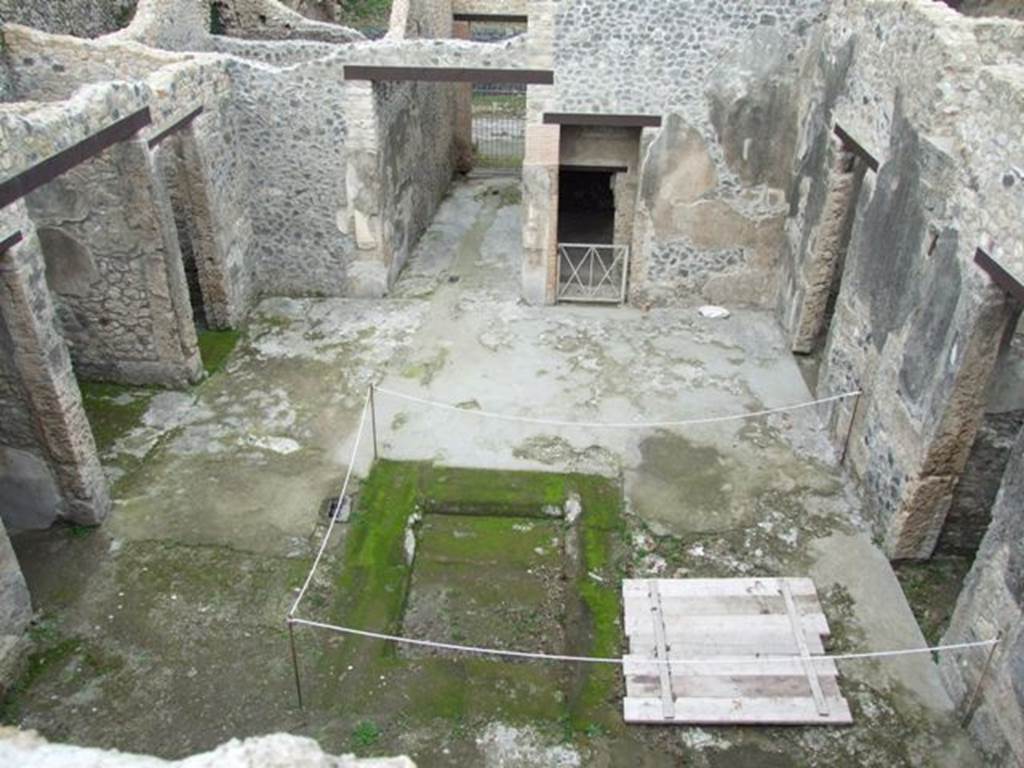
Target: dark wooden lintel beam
{"points": [[9, 242], [186, 120], [1000, 276], [594, 168], [46, 171], [377, 72], [852, 145], [609, 121], [492, 18]]}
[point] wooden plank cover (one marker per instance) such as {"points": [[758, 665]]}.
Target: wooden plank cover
{"points": [[740, 651]]}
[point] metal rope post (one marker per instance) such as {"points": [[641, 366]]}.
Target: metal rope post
{"points": [[849, 429], [972, 703], [295, 660], [373, 421]]}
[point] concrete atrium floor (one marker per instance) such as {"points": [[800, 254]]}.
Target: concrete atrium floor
{"points": [[163, 631]]}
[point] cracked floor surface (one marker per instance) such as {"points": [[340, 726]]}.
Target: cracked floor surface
{"points": [[171, 615]]}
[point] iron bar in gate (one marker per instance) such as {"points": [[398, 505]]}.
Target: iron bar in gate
{"points": [[499, 126], [592, 272]]}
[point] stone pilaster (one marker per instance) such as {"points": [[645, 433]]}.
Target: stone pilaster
{"points": [[40, 360], [540, 213], [463, 138]]}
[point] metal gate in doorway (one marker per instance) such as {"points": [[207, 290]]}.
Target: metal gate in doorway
{"points": [[592, 273], [499, 126]]}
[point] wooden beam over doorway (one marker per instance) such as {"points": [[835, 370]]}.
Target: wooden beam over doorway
{"points": [[492, 18], [46, 171], [1000, 276], [377, 72], [609, 121], [854, 146]]}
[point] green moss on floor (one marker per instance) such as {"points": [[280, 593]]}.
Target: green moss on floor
{"points": [[416, 688], [72, 660], [215, 347], [480, 491], [363, 13], [931, 589], [113, 410]]}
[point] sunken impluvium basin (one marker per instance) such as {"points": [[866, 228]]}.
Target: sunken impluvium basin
{"points": [[526, 561]]}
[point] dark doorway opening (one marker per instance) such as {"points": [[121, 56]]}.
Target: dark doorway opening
{"points": [[586, 207]]}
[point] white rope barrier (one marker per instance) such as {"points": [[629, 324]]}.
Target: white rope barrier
{"points": [[292, 619], [612, 425], [337, 507], [473, 649]]}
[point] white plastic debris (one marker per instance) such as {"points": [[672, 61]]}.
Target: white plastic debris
{"points": [[573, 508], [712, 312]]}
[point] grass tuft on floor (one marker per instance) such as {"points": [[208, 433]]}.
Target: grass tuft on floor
{"points": [[215, 347], [113, 409], [931, 589]]}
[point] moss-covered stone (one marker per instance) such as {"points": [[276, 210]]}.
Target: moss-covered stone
{"points": [[501, 564]]}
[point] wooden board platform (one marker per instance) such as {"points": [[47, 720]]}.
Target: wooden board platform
{"points": [[728, 651]]}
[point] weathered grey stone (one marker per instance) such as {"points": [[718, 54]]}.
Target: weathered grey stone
{"points": [[15, 603], [990, 604], [51, 437], [83, 18], [29, 494], [28, 749]]}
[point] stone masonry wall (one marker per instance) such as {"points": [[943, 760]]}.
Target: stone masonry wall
{"points": [[49, 468], [991, 604], [1009, 8], [416, 124], [297, 197], [172, 85], [15, 605], [270, 20], [114, 266], [917, 325], [82, 18], [332, 212], [491, 7], [427, 19], [712, 188], [971, 509]]}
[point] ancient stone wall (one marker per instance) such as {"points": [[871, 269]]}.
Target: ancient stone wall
{"points": [[82, 18], [712, 201], [296, 197], [416, 123], [15, 606], [917, 325], [491, 7], [990, 605], [971, 509], [411, 19], [48, 463], [271, 20], [114, 266], [106, 226], [1011, 9]]}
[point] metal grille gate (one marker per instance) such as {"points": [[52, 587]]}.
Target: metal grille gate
{"points": [[591, 272], [499, 125]]}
